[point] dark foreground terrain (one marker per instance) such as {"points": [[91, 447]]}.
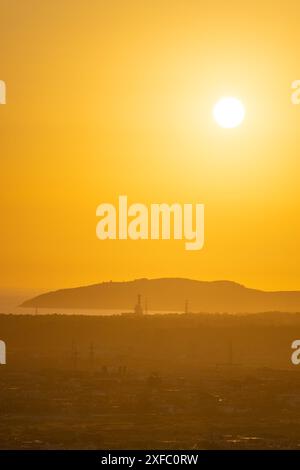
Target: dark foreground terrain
{"points": [[161, 382], [118, 410]]}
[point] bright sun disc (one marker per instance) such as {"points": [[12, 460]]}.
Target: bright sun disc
{"points": [[229, 112]]}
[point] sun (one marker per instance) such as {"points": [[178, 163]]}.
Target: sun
{"points": [[229, 112]]}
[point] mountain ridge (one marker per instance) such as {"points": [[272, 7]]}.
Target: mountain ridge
{"points": [[169, 294]]}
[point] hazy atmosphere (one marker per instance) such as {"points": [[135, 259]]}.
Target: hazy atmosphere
{"points": [[109, 98]]}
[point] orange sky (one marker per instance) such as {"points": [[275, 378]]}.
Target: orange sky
{"points": [[108, 98]]}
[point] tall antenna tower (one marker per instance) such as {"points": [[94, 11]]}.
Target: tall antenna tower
{"points": [[138, 309], [92, 357], [74, 355], [230, 353]]}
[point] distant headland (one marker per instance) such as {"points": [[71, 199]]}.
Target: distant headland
{"points": [[169, 295]]}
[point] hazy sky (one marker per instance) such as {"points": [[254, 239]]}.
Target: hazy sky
{"points": [[115, 97]]}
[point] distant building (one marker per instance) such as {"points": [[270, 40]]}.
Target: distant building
{"points": [[138, 309]]}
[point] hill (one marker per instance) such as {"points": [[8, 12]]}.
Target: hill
{"points": [[170, 294]]}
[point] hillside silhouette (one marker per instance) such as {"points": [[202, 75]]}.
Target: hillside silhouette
{"points": [[170, 294]]}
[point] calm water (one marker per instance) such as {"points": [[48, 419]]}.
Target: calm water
{"points": [[9, 303]]}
